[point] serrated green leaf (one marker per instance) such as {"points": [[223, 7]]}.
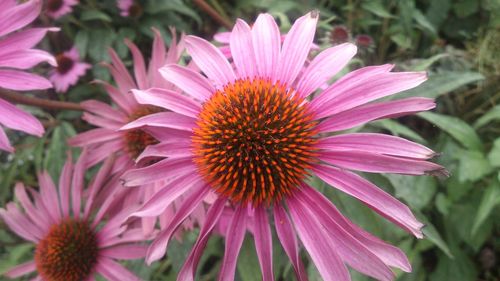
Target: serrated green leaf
{"points": [[433, 235], [457, 128], [398, 129], [473, 165], [81, 42], [424, 22], [491, 198], [90, 15], [248, 264], [494, 154], [491, 115], [416, 191], [377, 8], [442, 83]]}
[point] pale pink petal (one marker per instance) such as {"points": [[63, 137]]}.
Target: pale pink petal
{"points": [[234, 239], [366, 113], [19, 223], [120, 73], [377, 199], [124, 252], [21, 270], [242, 49], [286, 235], [168, 99], [210, 60], [191, 82], [164, 169], [25, 39], [159, 246], [99, 121], [263, 243], [266, 45], [101, 151], [296, 47], [4, 142], [14, 118], [139, 65], [170, 120], [324, 66], [134, 235], [65, 185], [323, 254], [188, 270], [158, 56], [104, 110], [125, 102], [113, 271], [24, 59], [48, 192], [377, 143], [179, 149], [19, 16], [22, 81], [224, 37], [77, 183], [94, 136], [97, 183]]}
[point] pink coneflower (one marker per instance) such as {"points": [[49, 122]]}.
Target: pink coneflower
{"points": [[252, 138], [69, 69], [129, 8], [58, 8], [72, 240], [16, 55]]}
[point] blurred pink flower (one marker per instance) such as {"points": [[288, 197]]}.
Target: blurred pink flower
{"points": [[69, 69], [249, 134], [16, 55], [72, 239], [129, 8], [58, 8]]}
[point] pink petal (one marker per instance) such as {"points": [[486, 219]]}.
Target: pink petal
{"points": [[296, 47], [21, 270], [165, 169], [22, 81], [113, 271], [64, 185], [77, 183], [25, 59], [24, 39], [104, 110], [366, 113], [376, 143], [38, 218], [94, 136], [14, 118], [286, 235], [159, 246], [170, 120], [224, 37], [377, 199], [158, 56], [139, 65], [99, 152], [313, 235], [188, 270], [4, 142], [263, 243], [124, 252], [192, 83], [176, 149], [99, 121], [120, 73], [134, 235], [234, 239], [242, 49], [18, 223], [97, 183], [266, 45], [325, 66], [48, 192], [125, 102], [210, 60], [168, 99], [19, 16]]}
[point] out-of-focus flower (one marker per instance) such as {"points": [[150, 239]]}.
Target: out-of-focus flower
{"points": [[248, 134], [58, 8], [364, 41], [74, 238], [16, 56], [339, 34], [69, 69], [129, 8]]}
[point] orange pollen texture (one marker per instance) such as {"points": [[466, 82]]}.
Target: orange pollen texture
{"points": [[137, 140], [255, 141], [68, 253]]}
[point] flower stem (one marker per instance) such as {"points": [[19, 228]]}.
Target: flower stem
{"points": [[43, 103], [213, 13]]}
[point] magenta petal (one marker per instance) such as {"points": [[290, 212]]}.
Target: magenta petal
{"points": [[25, 59], [168, 99], [14, 118], [22, 81], [242, 49], [170, 120], [124, 252], [4, 142], [312, 235], [120, 73], [296, 47], [188, 270], [158, 56], [234, 239], [139, 65], [263, 243], [286, 235], [193, 83], [380, 201], [210, 60], [21, 270], [266, 45], [19, 16], [113, 271], [25, 39], [165, 169]]}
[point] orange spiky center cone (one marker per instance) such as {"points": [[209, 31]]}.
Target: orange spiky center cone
{"points": [[138, 139], [255, 141], [69, 252]]}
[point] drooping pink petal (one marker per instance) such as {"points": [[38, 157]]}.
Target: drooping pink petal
{"points": [[19, 16], [21, 270], [77, 183], [377, 143], [242, 49], [4, 142], [19, 223], [48, 193], [266, 45], [113, 271], [158, 55], [168, 99], [296, 47], [25, 59], [366, 113], [325, 66], [120, 73], [139, 65], [99, 121], [191, 82], [165, 169], [97, 183], [24, 39], [65, 185], [38, 218], [263, 243], [171, 150], [104, 110], [22, 81], [124, 252], [170, 120], [94, 136], [377, 199], [133, 235], [234, 239], [288, 240], [128, 104], [210, 60], [101, 151], [14, 118]]}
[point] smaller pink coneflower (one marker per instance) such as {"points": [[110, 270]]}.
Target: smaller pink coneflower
{"points": [[58, 8], [129, 8], [69, 69], [72, 240]]}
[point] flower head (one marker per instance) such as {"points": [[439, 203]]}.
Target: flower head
{"points": [[69, 69], [250, 133], [72, 239], [129, 8], [58, 8], [16, 56]]}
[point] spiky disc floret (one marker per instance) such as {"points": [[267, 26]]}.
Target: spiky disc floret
{"points": [[68, 253], [137, 140], [255, 141]]}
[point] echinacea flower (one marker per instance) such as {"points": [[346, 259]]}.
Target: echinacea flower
{"points": [[129, 8], [74, 238], [69, 69], [58, 8], [252, 137], [16, 56]]}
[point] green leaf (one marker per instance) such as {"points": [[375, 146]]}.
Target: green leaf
{"points": [[442, 83], [248, 263], [398, 129], [416, 191], [424, 22], [473, 165], [81, 42], [457, 128], [403, 41], [494, 154], [459, 268], [424, 64], [491, 115], [491, 198], [433, 235], [90, 15], [377, 8]]}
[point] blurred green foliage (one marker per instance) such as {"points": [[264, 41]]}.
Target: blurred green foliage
{"points": [[456, 41]]}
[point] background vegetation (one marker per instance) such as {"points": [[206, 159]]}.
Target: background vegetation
{"points": [[456, 41]]}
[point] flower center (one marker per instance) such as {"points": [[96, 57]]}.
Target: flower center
{"points": [[255, 141], [69, 252], [137, 140], [64, 63], [54, 5], [135, 10]]}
